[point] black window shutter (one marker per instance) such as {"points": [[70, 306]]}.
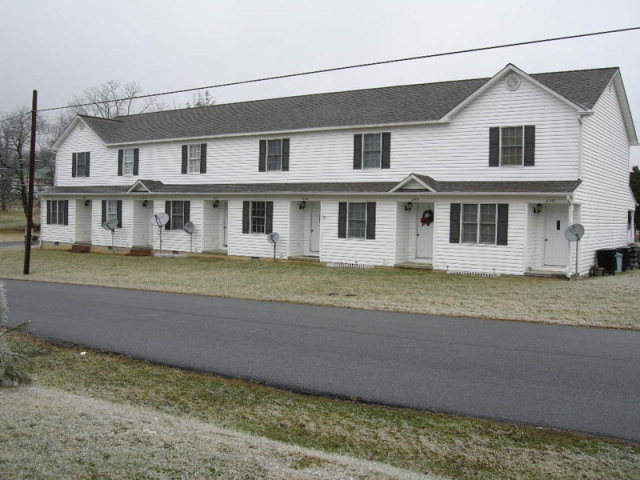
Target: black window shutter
{"points": [[386, 150], [187, 211], [529, 145], [74, 162], [246, 207], [268, 222], [503, 224], [285, 154], [119, 214], [65, 217], [185, 152], [120, 161], [342, 220], [167, 210], [262, 158], [357, 151], [48, 212], [371, 220], [454, 223], [203, 158], [136, 160], [494, 147], [88, 164], [104, 211]]}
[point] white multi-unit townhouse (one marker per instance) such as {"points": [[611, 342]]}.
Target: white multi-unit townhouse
{"points": [[480, 175]]}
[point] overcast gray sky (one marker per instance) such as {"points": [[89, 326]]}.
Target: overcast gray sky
{"points": [[62, 47]]}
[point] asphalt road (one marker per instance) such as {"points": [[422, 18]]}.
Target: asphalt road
{"points": [[580, 379]]}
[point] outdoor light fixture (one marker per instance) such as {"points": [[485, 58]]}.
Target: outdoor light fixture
{"points": [[87, 203], [302, 205], [408, 206], [537, 210], [145, 203], [216, 203]]}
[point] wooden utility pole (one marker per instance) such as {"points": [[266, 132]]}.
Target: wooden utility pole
{"points": [[32, 172]]}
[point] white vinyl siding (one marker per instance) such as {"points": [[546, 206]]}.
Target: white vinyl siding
{"points": [[178, 239], [122, 236], [257, 245], [57, 233]]}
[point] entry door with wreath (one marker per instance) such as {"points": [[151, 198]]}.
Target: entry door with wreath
{"points": [[424, 231]]}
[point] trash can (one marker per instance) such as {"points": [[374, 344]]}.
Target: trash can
{"points": [[619, 257], [607, 259]]}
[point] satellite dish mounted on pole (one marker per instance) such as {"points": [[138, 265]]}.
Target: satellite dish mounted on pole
{"points": [[189, 227], [111, 226], [273, 238], [160, 220], [574, 233]]}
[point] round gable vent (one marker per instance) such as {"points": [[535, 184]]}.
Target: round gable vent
{"points": [[513, 82]]}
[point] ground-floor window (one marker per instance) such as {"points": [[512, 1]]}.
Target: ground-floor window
{"points": [[179, 212], [112, 212], [357, 220], [479, 223], [58, 212], [257, 217]]}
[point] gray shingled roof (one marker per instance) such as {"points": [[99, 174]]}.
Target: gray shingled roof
{"points": [[333, 187], [398, 104]]}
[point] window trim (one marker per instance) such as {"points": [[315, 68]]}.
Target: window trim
{"points": [[192, 160], [112, 214], [263, 217], [124, 162], [267, 155], [364, 236], [172, 215], [478, 224], [85, 160], [59, 212], [522, 146], [364, 151]]}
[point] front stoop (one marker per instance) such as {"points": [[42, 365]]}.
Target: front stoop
{"points": [[80, 248], [141, 252]]}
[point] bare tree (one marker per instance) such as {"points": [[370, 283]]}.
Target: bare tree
{"points": [[201, 99], [113, 99], [15, 131]]}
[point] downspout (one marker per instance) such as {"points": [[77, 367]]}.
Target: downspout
{"points": [[580, 147], [570, 217]]}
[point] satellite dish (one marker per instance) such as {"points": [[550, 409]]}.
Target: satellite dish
{"points": [[189, 227], [574, 232], [159, 219], [273, 238], [110, 225]]}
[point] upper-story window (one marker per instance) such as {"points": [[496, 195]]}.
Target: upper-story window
{"points": [[194, 158], [274, 155], [372, 150], [128, 160], [512, 146], [80, 164]]}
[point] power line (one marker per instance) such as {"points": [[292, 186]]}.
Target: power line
{"points": [[346, 67]]}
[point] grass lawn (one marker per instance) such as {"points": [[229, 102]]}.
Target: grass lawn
{"points": [[603, 301], [443, 445], [12, 225]]}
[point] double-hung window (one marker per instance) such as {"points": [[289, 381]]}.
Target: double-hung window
{"points": [[112, 211], [511, 151], [80, 164], [357, 220], [177, 215], [57, 212], [372, 150], [479, 222], [127, 161], [194, 158], [274, 155], [512, 146], [258, 217]]}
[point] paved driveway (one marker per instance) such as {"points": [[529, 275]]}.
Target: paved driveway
{"points": [[581, 379]]}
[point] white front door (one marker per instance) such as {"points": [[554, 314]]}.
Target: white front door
{"points": [[424, 232], [314, 236], [556, 247]]}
